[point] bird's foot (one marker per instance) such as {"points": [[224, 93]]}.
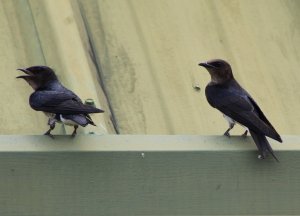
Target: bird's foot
{"points": [[74, 131], [49, 134], [73, 134], [52, 126], [244, 135], [227, 134], [227, 131]]}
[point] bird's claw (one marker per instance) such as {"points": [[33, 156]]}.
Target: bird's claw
{"points": [[244, 135], [73, 135], [74, 131], [49, 134], [227, 134]]}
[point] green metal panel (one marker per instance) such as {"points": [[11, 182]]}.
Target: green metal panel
{"points": [[146, 175]]}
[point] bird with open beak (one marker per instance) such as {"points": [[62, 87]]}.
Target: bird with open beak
{"points": [[224, 93], [57, 102]]}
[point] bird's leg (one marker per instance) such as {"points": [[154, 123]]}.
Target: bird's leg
{"points": [[244, 135], [227, 131], [74, 131], [231, 124], [52, 126]]}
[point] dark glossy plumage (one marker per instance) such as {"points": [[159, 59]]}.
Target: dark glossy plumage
{"points": [[235, 102], [225, 94], [57, 102]]}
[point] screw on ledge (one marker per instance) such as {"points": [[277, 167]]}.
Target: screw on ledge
{"points": [[90, 102], [196, 87]]}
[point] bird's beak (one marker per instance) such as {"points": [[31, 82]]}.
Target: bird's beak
{"points": [[29, 74], [206, 65], [29, 78], [203, 64], [24, 70]]}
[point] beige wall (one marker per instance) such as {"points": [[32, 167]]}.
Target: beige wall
{"points": [[45, 32], [147, 54]]}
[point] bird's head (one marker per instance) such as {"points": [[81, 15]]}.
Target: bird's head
{"points": [[38, 76], [219, 70]]}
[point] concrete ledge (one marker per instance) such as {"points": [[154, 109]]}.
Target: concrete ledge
{"points": [[146, 175], [92, 143]]}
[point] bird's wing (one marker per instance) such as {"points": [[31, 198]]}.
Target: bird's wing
{"points": [[59, 102], [79, 119], [264, 118], [240, 108]]}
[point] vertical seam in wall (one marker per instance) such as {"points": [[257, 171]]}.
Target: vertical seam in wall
{"points": [[36, 32], [98, 67], [145, 46]]}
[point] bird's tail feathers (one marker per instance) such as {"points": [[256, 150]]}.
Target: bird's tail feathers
{"points": [[88, 117], [94, 109], [263, 145]]}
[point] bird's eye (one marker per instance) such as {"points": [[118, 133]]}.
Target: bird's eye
{"points": [[217, 64]]}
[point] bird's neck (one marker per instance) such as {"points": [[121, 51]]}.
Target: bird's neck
{"points": [[50, 85], [222, 82], [221, 78]]}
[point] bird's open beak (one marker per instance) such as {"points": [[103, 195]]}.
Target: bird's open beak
{"points": [[30, 78], [29, 74]]}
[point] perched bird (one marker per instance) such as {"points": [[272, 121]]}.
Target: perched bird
{"points": [[224, 93], [57, 102]]}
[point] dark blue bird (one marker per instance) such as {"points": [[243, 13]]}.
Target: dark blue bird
{"points": [[225, 94], [57, 102]]}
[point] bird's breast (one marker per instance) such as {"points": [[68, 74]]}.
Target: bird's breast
{"points": [[228, 119], [232, 121]]}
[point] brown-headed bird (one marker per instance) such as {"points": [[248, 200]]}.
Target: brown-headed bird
{"points": [[57, 102], [224, 93]]}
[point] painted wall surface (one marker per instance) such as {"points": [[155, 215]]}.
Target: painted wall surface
{"points": [[45, 33], [145, 55]]}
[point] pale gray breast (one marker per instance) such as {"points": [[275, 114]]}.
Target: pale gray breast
{"points": [[229, 120], [232, 122]]}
